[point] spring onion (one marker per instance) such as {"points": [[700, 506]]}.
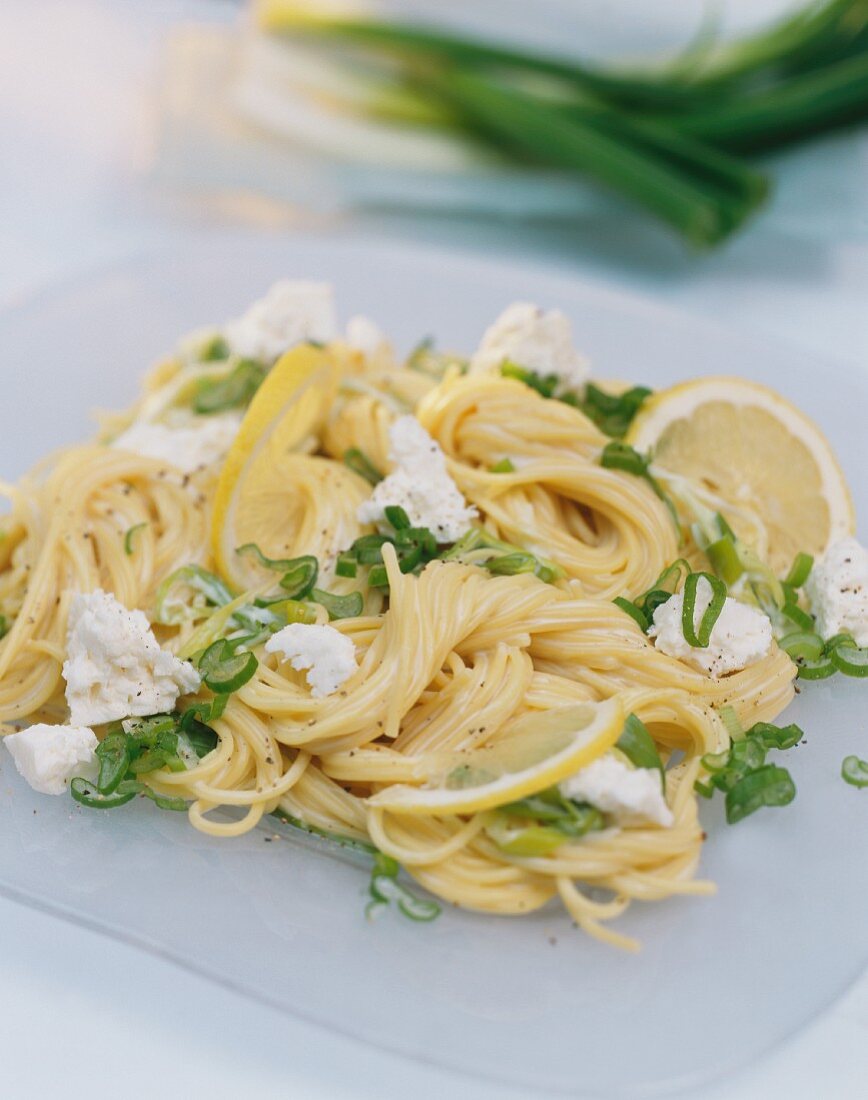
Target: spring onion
{"points": [[668, 137], [234, 391], [800, 570], [214, 350], [129, 536], [637, 744], [621, 456], [339, 607], [187, 592], [741, 771], [550, 807], [700, 636], [612, 413], [854, 771], [847, 657], [504, 466], [767, 786], [89, 795], [224, 670], [360, 464], [385, 888], [524, 840]]}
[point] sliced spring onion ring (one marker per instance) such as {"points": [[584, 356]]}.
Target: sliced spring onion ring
{"points": [[767, 786], [223, 670], [800, 570], [854, 771], [701, 636], [129, 536], [637, 744], [339, 607], [360, 464]]}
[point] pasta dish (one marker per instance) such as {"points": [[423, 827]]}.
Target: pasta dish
{"points": [[497, 623]]}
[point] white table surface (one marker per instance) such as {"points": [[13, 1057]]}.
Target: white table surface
{"points": [[85, 1016]]}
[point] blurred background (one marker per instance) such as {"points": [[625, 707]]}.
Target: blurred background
{"points": [[131, 125]]}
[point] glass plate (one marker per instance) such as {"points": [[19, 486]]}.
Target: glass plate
{"points": [[279, 918]]}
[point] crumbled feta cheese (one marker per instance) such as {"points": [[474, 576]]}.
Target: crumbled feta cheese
{"points": [[185, 448], [537, 340], [838, 590], [633, 796], [328, 656], [49, 756], [292, 312], [364, 336], [420, 484], [741, 636], [115, 667]]}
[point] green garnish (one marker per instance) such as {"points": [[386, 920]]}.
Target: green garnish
{"points": [[700, 636], [621, 456], [641, 610], [520, 561], [741, 771], [545, 385], [137, 746], [225, 670], [299, 574], [384, 888], [235, 391], [800, 570], [505, 466], [129, 536], [854, 771], [612, 413], [203, 591], [568, 818], [671, 138], [510, 559], [360, 464], [5, 626], [637, 744], [214, 349], [339, 607]]}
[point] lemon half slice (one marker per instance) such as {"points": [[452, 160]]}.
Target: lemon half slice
{"points": [[533, 753], [755, 452], [289, 409]]}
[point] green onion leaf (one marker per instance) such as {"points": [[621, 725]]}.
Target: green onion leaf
{"points": [[800, 570], [724, 559], [346, 565], [621, 456], [88, 794], [637, 744], [214, 349], [505, 466], [385, 888], [397, 517], [802, 645], [636, 613], [767, 786], [185, 592], [545, 385], [129, 536], [701, 636], [234, 391], [528, 840], [612, 413], [360, 464], [854, 771], [847, 657], [223, 670], [339, 607], [113, 755], [165, 802]]}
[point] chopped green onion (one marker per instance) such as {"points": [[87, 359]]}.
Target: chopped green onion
{"points": [[545, 385], [378, 577], [214, 350], [384, 888], [165, 802], [528, 840], [510, 565], [551, 807], [172, 608], [802, 645], [730, 720], [849, 658], [397, 517], [89, 795], [612, 413], [346, 565], [223, 670], [637, 744], [777, 737], [505, 466], [725, 560], [767, 786], [800, 570], [795, 614], [854, 771], [820, 669], [701, 636], [339, 607], [360, 464], [129, 536], [298, 581], [234, 391], [113, 755], [621, 456], [636, 614]]}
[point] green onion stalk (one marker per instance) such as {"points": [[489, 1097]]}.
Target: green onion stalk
{"points": [[673, 139]]}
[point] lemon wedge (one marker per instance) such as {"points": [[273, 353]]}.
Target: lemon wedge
{"points": [[534, 752], [767, 465], [284, 418]]}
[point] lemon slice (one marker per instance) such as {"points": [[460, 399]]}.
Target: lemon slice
{"points": [[534, 752], [766, 463], [289, 409]]}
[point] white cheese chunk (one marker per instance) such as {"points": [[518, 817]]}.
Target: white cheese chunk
{"points": [[204, 442], [538, 340], [328, 656], [741, 636], [420, 484], [364, 336], [838, 590], [115, 667], [633, 796], [49, 756], [292, 312]]}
